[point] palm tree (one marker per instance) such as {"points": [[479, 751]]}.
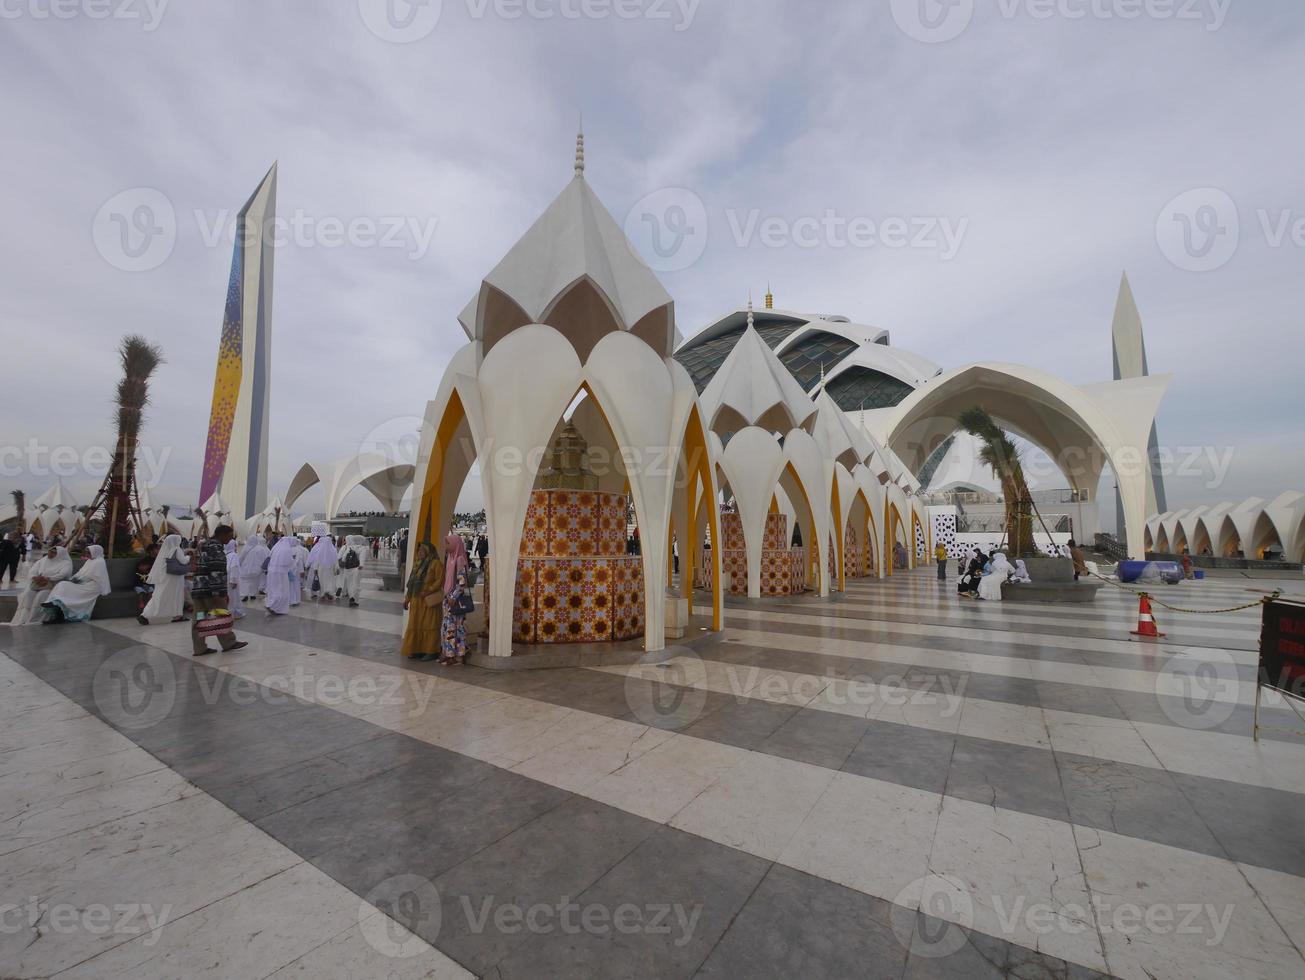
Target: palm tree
{"points": [[118, 497], [1000, 454], [20, 508]]}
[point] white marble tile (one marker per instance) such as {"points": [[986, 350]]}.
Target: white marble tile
{"points": [[350, 956], [1284, 896], [1171, 914], [583, 760], [38, 784], [1102, 738], [1270, 763], [249, 934], [866, 834], [164, 862], [660, 783], [1019, 878], [67, 814], [756, 806], [1015, 724]]}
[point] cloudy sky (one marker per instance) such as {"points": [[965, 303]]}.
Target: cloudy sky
{"points": [[1034, 148]]}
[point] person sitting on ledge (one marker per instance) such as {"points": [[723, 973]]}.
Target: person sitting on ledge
{"points": [[44, 575], [73, 600]]}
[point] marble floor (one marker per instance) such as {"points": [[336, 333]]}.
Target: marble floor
{"points": [[892, 783]]}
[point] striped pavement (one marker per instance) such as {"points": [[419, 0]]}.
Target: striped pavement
{"points": [[896, 782]]}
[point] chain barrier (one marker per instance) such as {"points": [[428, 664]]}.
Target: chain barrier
{"points": [[1277, 594]]}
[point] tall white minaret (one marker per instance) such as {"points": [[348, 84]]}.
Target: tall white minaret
{"points": [[1128, 350]]}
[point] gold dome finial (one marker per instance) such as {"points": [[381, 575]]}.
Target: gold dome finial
{"points": [[770, 298]]}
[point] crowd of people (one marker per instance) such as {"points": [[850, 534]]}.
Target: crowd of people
{"points": [[213, 582], [981, 576]]}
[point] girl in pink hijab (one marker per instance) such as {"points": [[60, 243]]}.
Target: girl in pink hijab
{"points": [[454, 628]]}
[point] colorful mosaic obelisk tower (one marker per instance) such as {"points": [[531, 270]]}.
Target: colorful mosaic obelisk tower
{"points": [[235, 460]]}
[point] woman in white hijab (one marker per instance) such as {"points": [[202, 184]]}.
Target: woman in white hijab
{"points": [[235, 605], [1021, 573], [169, 598], [73, 600], [351, 578], [998, 573], [322, 561], [279, 566], [44, 574], [252, 556], [298, 577]]}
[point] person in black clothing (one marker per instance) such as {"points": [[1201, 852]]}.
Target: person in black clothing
{"points": [[482, 549], [10, 555], [208, 591]]}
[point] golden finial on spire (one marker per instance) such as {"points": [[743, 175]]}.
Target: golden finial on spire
{"points": [[770, 298], [580, 149]]}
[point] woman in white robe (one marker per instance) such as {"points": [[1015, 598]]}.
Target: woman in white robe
{"points": [[73, 600], [1021, 573], [44, 574], [351, 578], [169, 598], [252, 556], [322, 561], [279, 566], [299, 564], [235, 605], [998, 573]]}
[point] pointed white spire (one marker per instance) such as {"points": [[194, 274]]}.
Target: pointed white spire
{"points": [[751, 322], [580, 149]]}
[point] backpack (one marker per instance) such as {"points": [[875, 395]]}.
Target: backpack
{"points": [[351, 559]]}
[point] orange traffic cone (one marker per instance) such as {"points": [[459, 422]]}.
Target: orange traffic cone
{"points": [[1146, 624]]}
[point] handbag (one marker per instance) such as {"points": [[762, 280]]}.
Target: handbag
{"points": [[177, 566], [465, 604], [214, 625], [434, 600]]}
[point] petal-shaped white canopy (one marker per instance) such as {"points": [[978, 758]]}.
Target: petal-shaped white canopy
{"points": [[753, 387]]}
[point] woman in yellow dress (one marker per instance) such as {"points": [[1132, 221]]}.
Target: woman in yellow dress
{"points": [[424, 601]]}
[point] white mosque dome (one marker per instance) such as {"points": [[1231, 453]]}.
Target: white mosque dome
{"points": [[860, 368]]}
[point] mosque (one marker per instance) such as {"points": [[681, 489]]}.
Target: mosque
{"points": [[774, 452]]}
